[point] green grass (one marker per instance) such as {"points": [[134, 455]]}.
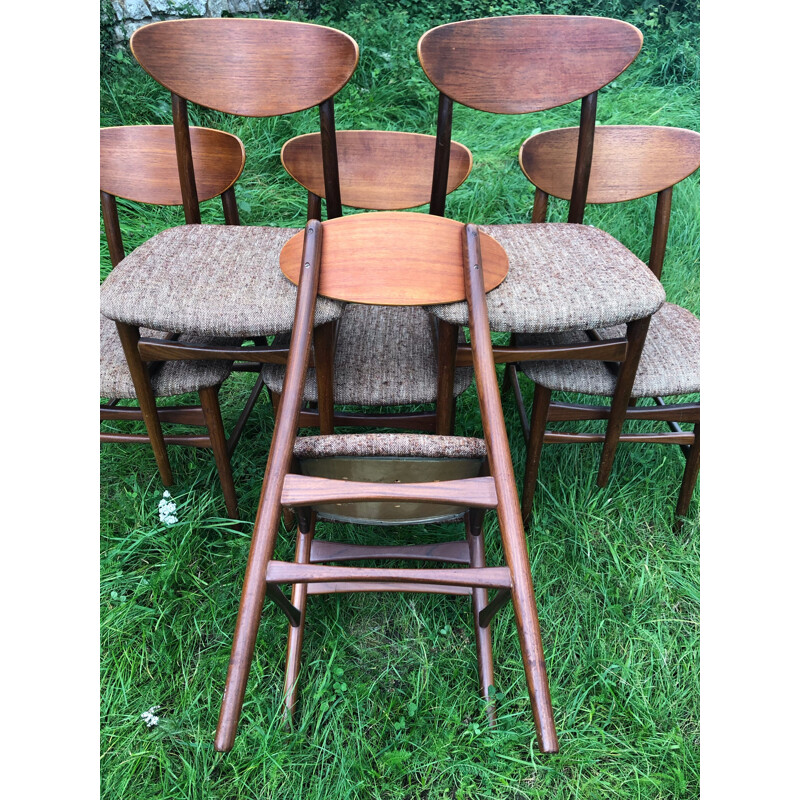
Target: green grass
{"points": [[389, 705]]}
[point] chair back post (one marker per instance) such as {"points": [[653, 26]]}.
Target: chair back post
{"points": [[183, 149], [116, 250], [280, 456], [441, 159], [540, 199], [314, 209], [229, 207], [330, 159], [583, 160], [658, 243]]}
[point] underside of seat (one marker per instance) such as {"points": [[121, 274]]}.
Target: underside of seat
{"points": [[669, 365], [385, 355], [564, 277]]}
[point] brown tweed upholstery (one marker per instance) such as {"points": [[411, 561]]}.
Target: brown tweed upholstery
{"points": [[564, 277], [399, 445], [174, 377], [208, 280], [670, 362], [385, 355]]}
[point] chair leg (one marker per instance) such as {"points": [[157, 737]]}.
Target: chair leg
{"points": [[129, 336], [236, 433], [324, 351], [305, 534], [690, 473], [209, 400], [527, 619], [637, 331], [541, 405], [480, 599]]}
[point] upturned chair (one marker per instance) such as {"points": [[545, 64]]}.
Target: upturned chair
{"points": [[389, 258], [562, 277], [138, 163], [628, 162], [384, 356], [215, 281]]}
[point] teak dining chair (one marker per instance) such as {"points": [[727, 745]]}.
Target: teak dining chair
{"points": [[138, 163], [211, 280], [389, 258], [384, 356], [562, 277], [629, 162]]}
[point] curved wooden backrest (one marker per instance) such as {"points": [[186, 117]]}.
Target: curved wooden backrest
{"points": [[628, 161], [138, 162], [380, 170], [249, 67], [393, 258], [513, 65]]}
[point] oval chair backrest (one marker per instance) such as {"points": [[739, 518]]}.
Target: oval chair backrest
{"points": [[519, 64], [393, 258], [139, 163], [378, 170], [628, 161], [247, 67]]}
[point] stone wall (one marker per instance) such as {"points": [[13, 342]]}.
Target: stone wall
{"points": [[128, 15]]}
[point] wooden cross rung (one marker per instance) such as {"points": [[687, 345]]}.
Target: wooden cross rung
{"points": [[448, 552], [339, 587], [305, 490], [485, 577]]}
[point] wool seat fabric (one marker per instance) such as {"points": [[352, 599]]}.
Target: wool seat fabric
{"points": [[385, 355], [174, 377], [563, 277], [389, 445], [669, 365], [208, 280]]}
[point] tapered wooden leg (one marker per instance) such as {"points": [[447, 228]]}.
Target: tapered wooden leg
{"points": [[509, 373], [236, 433], [637, 331], [480, 599], [447, 342], [129, 336], [324, 351], [690, 473], [541, 405], [305, 533], [209, 400]]}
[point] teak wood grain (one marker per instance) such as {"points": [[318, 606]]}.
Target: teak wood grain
{"points": [[518, 64], [410, 259], [628, 161], [139, 163], [378, 170], [247, 67]]}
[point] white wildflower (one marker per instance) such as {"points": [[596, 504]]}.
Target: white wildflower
{"points": [[149, 716], [167, 509]]}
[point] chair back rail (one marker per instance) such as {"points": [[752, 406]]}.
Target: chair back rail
{"points": [[628, 161], [394, 258], [247, 67], [138, 162], [378, 170]]}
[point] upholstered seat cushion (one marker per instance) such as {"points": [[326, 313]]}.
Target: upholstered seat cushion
{"points": [[670, 362], [174, 377], [385, 355], [564, 277], [399, 445], [208, 280]]}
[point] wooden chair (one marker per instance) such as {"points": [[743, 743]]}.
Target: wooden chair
{"points": [[384, 356], [214, 281], [138, 163], [628, 162], [561, 277], [395, 259]]}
